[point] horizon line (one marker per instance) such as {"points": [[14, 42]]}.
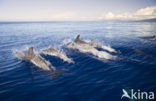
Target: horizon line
{"points": [[71, 20]]}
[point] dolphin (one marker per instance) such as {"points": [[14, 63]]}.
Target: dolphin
{"points": [[86, 47], [35, 59], [144, 53], [94, 44], [53, 52], [152, 38]]}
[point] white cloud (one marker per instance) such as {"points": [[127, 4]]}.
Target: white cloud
{"points": [[111, 16], [144, 13]]}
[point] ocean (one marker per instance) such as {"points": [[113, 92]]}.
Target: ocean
{"points": [[88, 79]]}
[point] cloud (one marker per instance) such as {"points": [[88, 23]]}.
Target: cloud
{"points": [[143, 13], [146, 11], [111, 16]]}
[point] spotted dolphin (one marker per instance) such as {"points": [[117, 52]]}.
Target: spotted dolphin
{"points": [[92, 43], [151, 38], [53, 52], [88, 47], [35, 59]]}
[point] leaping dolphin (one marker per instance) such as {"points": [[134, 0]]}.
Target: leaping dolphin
{"points": [[90, 47], [53, 52], [35, 59], [94, 44]]}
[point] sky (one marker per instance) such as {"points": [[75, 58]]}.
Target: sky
{"points": [[76, 10]]}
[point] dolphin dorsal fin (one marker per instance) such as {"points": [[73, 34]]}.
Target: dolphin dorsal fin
{"points": [[31, 51], [51, 48], [77, 38]]}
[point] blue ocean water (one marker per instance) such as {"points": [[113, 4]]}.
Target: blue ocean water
{"points": [[88, 79]]}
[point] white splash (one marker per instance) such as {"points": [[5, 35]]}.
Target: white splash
{"points": [[104, 47], [87, 48]]}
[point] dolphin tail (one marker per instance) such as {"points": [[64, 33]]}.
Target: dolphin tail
{"points": [[56, 73]]}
